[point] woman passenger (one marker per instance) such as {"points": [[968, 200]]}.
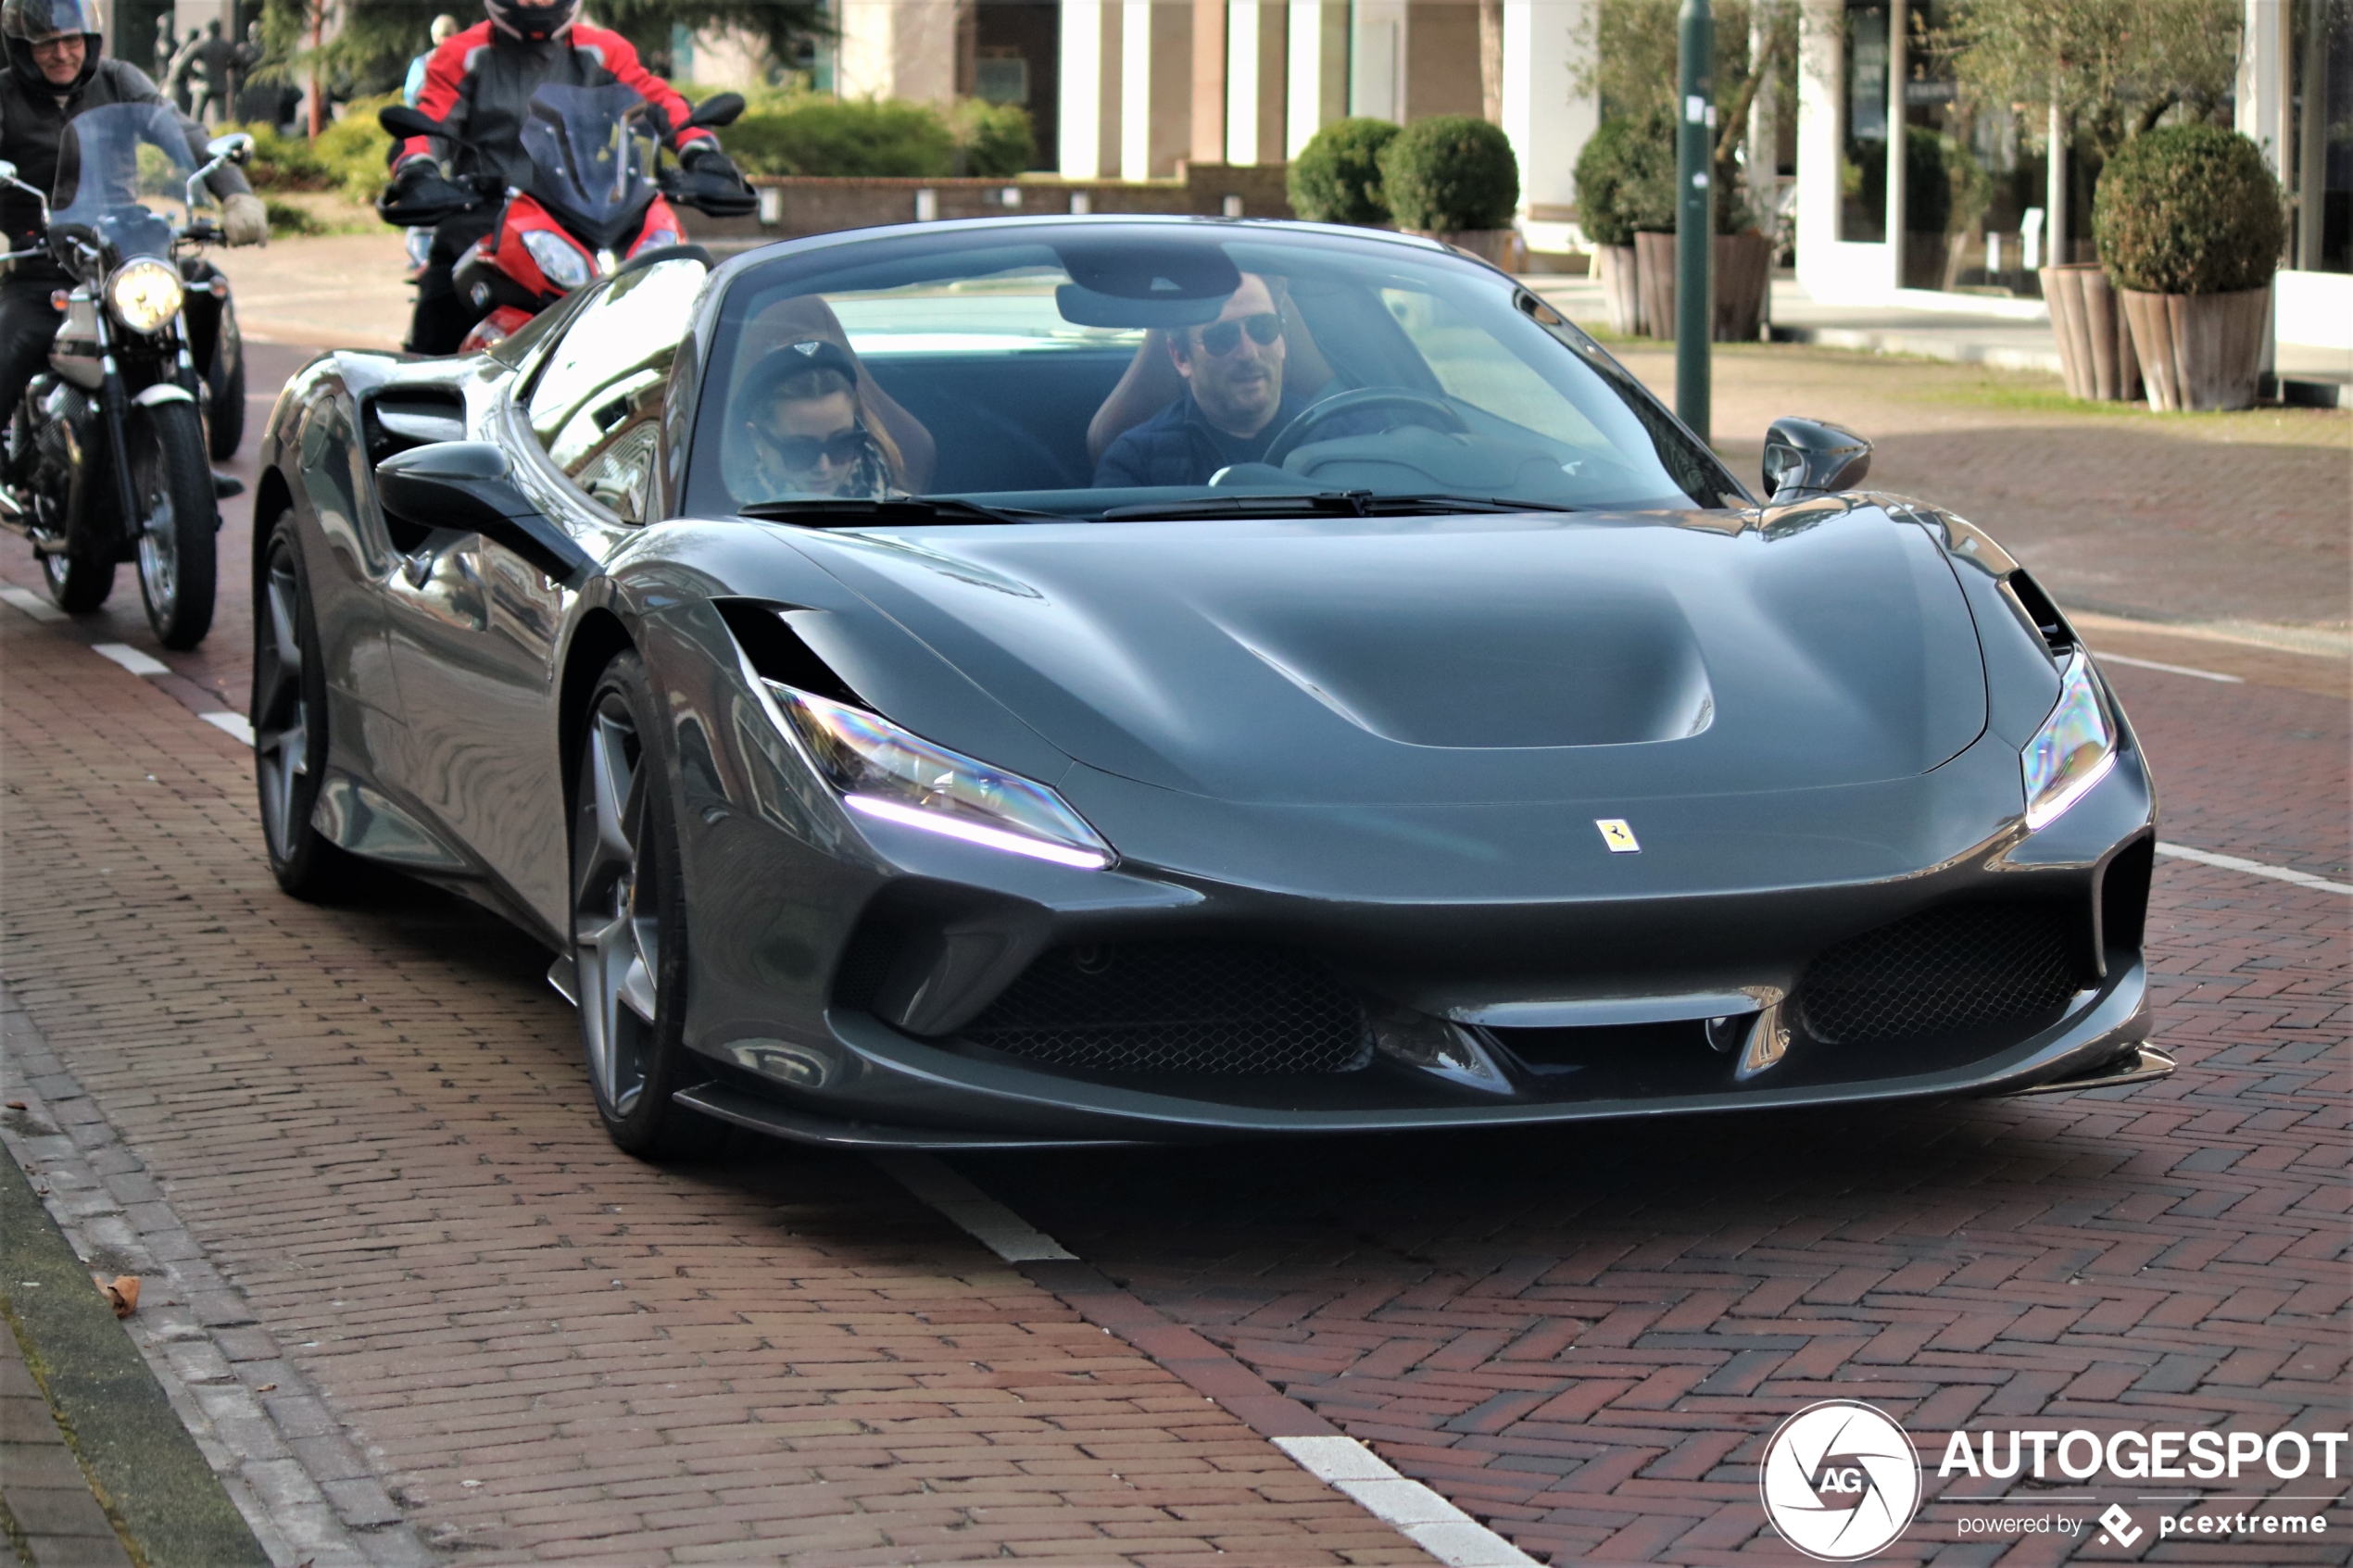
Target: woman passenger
{"points": [[807, 431]]}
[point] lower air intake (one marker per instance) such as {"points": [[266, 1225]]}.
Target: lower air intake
{"points": [[1170, 1008], [1956, 970]]}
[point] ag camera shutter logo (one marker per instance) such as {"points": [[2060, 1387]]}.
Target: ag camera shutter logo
{"points": [[1841, 1480]]}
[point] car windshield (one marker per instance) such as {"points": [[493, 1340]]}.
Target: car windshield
{"points": [[118, 165], [1118, 368], [591, 150]]}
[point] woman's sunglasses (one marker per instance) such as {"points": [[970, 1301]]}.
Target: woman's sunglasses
{"points": [[1222, 338], [803, 452]]}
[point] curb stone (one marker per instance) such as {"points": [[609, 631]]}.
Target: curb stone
{"points": [[306, 1492]]}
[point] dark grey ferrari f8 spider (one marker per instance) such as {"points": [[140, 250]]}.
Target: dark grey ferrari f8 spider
{"points": [[1078, 680]]}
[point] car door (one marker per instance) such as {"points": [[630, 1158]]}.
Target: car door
{"points": [[474, 638]]}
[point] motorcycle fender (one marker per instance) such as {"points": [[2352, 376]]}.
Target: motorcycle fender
{"points": [[162, 392]]}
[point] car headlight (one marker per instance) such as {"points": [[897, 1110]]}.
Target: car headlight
{"points": [[2074, 750], [558, 260], [887, 772], [144, 294]]}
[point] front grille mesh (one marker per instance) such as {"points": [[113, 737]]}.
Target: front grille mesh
{"points": [[1168, 1006], [1947, 970]]}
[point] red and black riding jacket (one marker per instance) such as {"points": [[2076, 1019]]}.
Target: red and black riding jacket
{"points": [[479, 83]]}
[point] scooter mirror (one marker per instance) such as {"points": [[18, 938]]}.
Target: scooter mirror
{"points": [[237, 147], [402, 121], [720, 108], [7, 170]]}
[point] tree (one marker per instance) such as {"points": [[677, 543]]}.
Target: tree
{"points": [[2115, 67], [1633, 71]]}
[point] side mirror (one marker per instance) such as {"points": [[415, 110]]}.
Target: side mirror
{"points": [[236, 147], [720, 108], [1807, 454], [7, 171], [470, 485], [404, 121]]}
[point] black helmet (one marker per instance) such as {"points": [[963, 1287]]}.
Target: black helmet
{"points": [[24, 23], [533, 24]]}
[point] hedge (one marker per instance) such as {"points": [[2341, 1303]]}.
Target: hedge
{"points": [[2188, 209], [1626, 181], [1451, 172], [851, 137], [1336, 178]]}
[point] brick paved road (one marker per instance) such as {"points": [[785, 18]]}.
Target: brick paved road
{"points": [[373, 1122]]}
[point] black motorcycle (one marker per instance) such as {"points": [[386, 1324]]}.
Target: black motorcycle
{"points": [[111, 440]]}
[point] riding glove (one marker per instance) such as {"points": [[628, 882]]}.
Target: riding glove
{"points": [[244, 220]]}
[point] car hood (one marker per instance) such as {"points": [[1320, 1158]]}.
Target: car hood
{"points": [[1488, 659]]}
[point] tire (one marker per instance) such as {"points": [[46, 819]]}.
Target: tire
{"points": [[289, 714], [629, 919], [79, 579], [176, 521], [225, 418]]}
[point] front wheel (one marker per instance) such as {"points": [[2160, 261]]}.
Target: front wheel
{"points": [[629, 919], [79, 579], [225, 387], [171, 492], [289, 716]]}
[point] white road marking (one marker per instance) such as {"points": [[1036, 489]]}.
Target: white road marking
{"points": [[986, 1221], [229, 723], [31, 604], [2253, 867], [1429, 1521], [2169, 668], [131, 659], [1342, 1463]]}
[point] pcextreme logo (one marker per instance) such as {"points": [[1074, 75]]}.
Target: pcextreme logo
{"points": [[1841, 1480]]}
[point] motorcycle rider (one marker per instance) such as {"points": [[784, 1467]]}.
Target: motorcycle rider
{"points": [[479, 85], [55, 73]]}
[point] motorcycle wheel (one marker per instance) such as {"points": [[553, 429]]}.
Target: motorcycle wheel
{"points": [[225, 418], [171, 487], [78, 581]]}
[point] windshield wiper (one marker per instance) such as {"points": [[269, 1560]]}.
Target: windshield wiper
{"points": [[1324, 503], [819, 511]]}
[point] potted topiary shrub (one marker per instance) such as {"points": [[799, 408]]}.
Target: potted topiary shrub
{"points": [[1625, 182], [1337, 179], [1455, 179], [2189, 225]]}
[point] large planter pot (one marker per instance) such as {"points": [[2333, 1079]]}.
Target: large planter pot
{"points": [[2200, 351], [2095, 348], [1743, 272], [1622, 288], [1654, 265]]}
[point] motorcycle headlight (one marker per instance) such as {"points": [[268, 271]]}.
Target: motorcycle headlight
{"points": [[558, 260], [144, 294], [887, 772], [2074, 750], [656, 239]]}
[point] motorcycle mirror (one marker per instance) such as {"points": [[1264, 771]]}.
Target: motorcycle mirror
{"points": [[469, 484], [1807, 454], [7, 170], [237, 147], [404, 121], [720, 108]]}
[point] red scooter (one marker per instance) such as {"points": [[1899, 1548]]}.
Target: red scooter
{"points": [[598, 192]]}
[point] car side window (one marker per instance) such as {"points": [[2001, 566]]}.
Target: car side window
{"points": [[596, 404]]}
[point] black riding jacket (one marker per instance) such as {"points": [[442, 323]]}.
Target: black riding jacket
{"points": [[32, 124]]}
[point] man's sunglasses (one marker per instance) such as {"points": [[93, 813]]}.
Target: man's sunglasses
{"points": [[1222, 338], [803, 452]]}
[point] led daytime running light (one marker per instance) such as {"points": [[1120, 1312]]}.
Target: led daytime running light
{"points": [[888, 774], [2074, 750]]}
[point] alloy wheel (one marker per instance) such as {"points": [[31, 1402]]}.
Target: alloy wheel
{"points": [[281, 714], [616, 900]]}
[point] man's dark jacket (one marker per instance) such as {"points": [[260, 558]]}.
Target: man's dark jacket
{"points": [[32, 124], [1178, 446]]}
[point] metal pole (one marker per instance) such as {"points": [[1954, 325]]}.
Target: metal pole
{"points": [[1694, 228]]}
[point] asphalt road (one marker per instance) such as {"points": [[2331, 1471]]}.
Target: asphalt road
{"points": [[370, 1123]]}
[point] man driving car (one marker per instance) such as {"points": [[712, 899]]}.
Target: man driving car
{"points": [[1233, 406], [55, 72]]}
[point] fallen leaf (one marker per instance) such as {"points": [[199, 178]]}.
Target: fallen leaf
{"points": [[16, 1105], [265, 1388], [122, 1294]]}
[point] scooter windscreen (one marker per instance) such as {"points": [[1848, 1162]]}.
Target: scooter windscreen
{"points": [[116, 163], [592, 157]]}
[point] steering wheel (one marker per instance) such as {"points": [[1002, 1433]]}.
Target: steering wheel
{"points": [[1435, 412]]}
